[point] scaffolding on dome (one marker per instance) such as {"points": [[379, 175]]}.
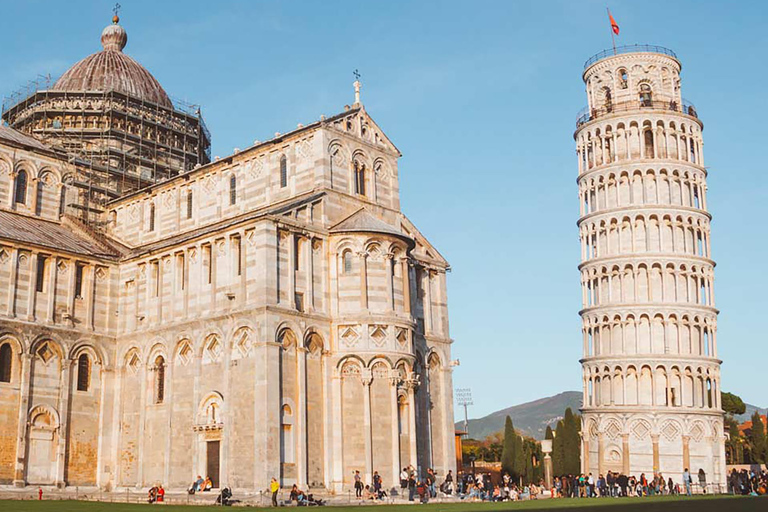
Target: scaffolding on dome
{"points": [[118, 143]]}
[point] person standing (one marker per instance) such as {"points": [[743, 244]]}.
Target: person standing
{"points": [[687, 481], [358, 485], [274, 486], [411, 485], [703, 480]]}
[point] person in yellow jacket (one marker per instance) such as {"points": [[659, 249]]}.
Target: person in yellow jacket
{"points": [[274, 486]]}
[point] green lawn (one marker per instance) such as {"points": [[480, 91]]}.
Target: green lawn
{"points": [[672, 504]]}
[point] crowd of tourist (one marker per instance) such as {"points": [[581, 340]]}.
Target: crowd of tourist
{"points": [[619, 485], [751, 482]]}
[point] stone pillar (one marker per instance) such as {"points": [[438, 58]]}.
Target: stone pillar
{"points": [[655, 439], [625, 454], [61, 448], [394, 381], [390, 276], [600, 453], [10, 310], [21, 435], [90, 294], [301, 419], [32, 296], [546, 448], [367, 379], [411, 387], [292, 241], [52, 276], [363, 280], [585, 453], [406, 269], [311, 274], [686, 452], [336, 462]]}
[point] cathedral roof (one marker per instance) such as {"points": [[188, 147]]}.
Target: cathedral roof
{"points": [[14, 136], [112, 70], [363, 222], [53, 235]]}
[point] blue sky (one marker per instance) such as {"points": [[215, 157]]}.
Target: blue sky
{"points": [[481, 97]]}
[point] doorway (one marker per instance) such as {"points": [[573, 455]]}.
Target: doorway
{"points": [[212, 462]]}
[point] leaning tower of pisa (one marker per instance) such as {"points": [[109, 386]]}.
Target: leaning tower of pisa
{"points": [[651, 373]]}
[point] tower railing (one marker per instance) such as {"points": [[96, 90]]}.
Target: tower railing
{"points": [[630, 48], [586, 114]]}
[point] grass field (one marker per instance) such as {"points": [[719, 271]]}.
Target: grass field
{"points": [[672, 504]]}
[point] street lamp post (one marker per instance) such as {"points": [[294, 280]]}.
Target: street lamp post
{"points": [[464, 398]]}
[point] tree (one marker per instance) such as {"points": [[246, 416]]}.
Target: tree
{"points": [[548, 433], [557, 449], [757, 438], [519, 462], [734, 446], [732, 404], [508, 449], [571, 443]]}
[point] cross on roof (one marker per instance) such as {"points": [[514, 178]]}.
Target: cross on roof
{"points": [[357, 74], [116, 9]]}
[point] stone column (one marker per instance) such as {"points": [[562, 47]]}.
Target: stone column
{"points": [[367, 379], [90, 295], [61, 448], [406, 269], [411, 385], [13, 278], [656, 463], [546, 448], [336, 461], [585, 453], [292, 240], [363, 280], [311, 274], [625, 454], [601, 453], [428, 301], [52, 276], [168, 399], [21, 433], [686, 452], [389, 259], [301, 419], [32, 296], [394, 381]]}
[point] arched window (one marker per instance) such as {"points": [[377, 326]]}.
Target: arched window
{"points": [[62, 200], [623, 78], [189, 204], [83, 372], [359, 178], [283, 172], [159, 379], [646, 96], [608, 99], [347, 261], [152, 216], [20, 196], [6, 360], [232, 189], [648, 143]]}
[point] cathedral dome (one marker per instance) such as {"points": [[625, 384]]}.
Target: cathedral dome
{"points": [[111, 69]]}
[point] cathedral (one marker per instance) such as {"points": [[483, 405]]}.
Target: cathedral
{"points": [[164, 314]]}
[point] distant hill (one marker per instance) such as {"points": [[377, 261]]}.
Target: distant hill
{"points": [[530, 418], [741, 418]]}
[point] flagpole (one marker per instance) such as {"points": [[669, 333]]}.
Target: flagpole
{"points": [[613, 37]]}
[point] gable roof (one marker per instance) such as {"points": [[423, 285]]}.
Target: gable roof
{"points": [[363, 222], [8, 134], [52, 235]]}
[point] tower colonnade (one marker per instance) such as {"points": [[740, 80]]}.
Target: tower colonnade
{"points": [[650, 371]]}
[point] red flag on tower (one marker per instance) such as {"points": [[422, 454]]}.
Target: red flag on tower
{"points": [[614, 25]]}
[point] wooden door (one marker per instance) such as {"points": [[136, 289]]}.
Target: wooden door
{"points": [[212, 461]]}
